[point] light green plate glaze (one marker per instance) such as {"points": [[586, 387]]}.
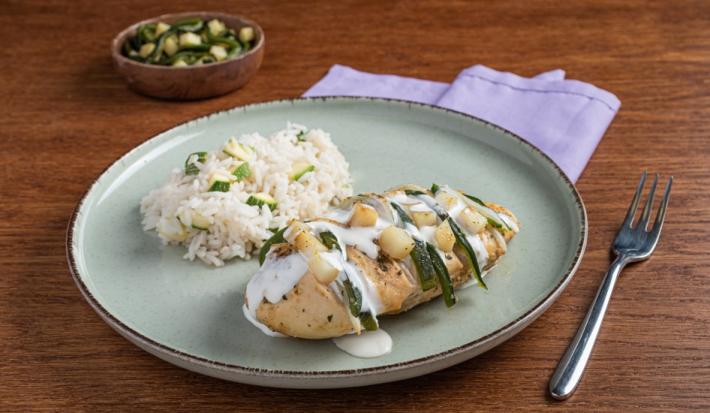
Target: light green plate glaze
{"points": [[189, 314]]}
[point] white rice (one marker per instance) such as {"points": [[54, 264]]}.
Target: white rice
{"points": [[237, 229]]}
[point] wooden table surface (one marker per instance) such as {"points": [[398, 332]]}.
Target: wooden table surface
{"points": [[66, 115]]}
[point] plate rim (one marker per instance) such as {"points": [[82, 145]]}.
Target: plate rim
{"points": [[135, 336]]}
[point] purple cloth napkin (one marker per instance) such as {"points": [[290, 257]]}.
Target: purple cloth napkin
{"points": [[566, 119]]}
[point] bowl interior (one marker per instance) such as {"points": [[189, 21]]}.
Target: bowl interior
{"points": [[231, 21]]}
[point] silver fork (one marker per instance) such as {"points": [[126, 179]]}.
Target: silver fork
{"points": [[633, 243]]}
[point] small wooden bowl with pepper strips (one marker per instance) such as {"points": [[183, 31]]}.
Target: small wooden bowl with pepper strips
{"points": [[187, 56]]}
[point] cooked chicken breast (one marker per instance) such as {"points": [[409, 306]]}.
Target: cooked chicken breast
{"points": [[375, 256]]}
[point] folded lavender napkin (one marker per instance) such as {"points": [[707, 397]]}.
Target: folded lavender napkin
{"points": [[566, 119]]}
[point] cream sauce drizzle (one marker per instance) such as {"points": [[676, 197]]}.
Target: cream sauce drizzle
{"points": [[368, 344], [509, 222], [362, 238], [276, 277], [340, 215]]}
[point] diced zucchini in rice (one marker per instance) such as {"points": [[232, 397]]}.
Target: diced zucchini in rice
{"points": [[300, 169], [260, 199], [191, 167], [231, 225], [238, 150], [241, 172], [172, 230], [200, 221], [219, 183]]}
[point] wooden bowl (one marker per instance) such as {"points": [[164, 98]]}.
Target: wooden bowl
{"points": [[190, 82]]}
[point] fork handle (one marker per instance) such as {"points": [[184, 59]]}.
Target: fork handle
{"points": [[570, 368]]}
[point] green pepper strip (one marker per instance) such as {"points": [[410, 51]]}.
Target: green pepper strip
{"points": [[234, 46], [491, 222], [188, 57], [423, 264], [368, 321], [277, 238], [402, 214], [157, 54], [420, 257], [447, 289], [144, 34], [127, 49], [354, 298], [219, 187], [468, 250], [462, 242], [190, 167], [329, 240], [355, 304], [196, 48], [190, 25]]}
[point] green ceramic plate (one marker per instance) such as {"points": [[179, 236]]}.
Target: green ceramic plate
{"points": [[189, 314]]}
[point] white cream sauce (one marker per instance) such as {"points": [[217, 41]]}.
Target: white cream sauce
{"points": [[478, 249], [500, 240], [419, 207], [370, 298], [509, 222], [368, 344], [276, 277], [340, 215], [362, 238]]}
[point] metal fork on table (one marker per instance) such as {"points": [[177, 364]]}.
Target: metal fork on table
{"points": [[633, 243]]}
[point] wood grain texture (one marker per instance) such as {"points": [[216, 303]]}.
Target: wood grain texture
{"points": [[66, 115]]}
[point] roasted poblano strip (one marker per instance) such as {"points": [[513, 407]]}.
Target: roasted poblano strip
{"points": [[368, 321], [354, 298], [419, 255], [329, 240], [493, 218], [461, 240], [190, 25], [447, 288], [355, 304]]}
